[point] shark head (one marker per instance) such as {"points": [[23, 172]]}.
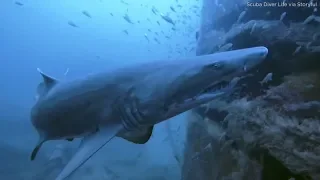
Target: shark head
{"points": [[187, 86]]}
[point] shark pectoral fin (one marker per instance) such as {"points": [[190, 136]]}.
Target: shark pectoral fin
{"points": [[138, 137], [36, 150], [88, 147]]}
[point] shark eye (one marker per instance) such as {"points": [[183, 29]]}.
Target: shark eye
{"points": [[214, 66], [217, 65]]}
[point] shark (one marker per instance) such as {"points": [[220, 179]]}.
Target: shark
{"points": [[127, 102]]}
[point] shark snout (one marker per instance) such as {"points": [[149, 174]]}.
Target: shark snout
{"points": [[257, 55]]}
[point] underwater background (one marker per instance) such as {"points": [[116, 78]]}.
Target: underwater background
{"points": [[37, 34], [267, 129]]}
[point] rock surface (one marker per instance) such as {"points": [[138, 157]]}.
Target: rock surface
{"points": [[265, 130]]}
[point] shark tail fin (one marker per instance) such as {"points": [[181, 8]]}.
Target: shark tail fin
{"points": [[36, 150]]}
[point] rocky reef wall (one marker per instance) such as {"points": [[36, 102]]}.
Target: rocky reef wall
{"points": [[266, 130]]}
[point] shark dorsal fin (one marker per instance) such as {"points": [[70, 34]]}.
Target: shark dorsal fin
{"points": [[48, 80], [46, 85]]}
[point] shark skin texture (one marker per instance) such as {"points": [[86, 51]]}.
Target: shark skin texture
{"points": [[129, 101]]}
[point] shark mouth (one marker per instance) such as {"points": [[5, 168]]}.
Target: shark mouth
{"points": [[205, 96], [221, 86]]}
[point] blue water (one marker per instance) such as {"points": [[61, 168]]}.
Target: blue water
{"points": [[37, 35]]}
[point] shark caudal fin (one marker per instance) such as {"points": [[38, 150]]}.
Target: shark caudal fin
{"points": [[36, 149], [88, 147], [46, 85]]}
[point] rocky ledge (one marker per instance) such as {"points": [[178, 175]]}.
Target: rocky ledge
{"points": [[265, 130]]}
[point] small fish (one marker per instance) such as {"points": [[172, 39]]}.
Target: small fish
{"points": [[146, 36], [127, 18], [111, 14], [86, 14], [148, 20], [309, 86], [208, 147], [158, 23], [309, 19], [173, 29], [297, 50], [125, 31], [156, 33], [241, 16], [71, 23], [167, 18], [177, 158], [138, 22], [123, 2], [234, 82], [154, 10], [283, 15], [18, 3], [266, 79], [308, 44], [156, 40], [253, 28], [268, 13], [167, 37], [315, 36], [226, 47], [65, 73], [172, 9]]}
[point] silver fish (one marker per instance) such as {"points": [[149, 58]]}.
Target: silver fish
{"points": [[167, 19], [127, 18], [86, 13], [241, 16], [267, 78], [71, 23], [283, 15]]}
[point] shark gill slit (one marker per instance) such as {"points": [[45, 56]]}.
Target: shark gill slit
{"points": [[125, 124], [134, 117], [130, 122]]}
